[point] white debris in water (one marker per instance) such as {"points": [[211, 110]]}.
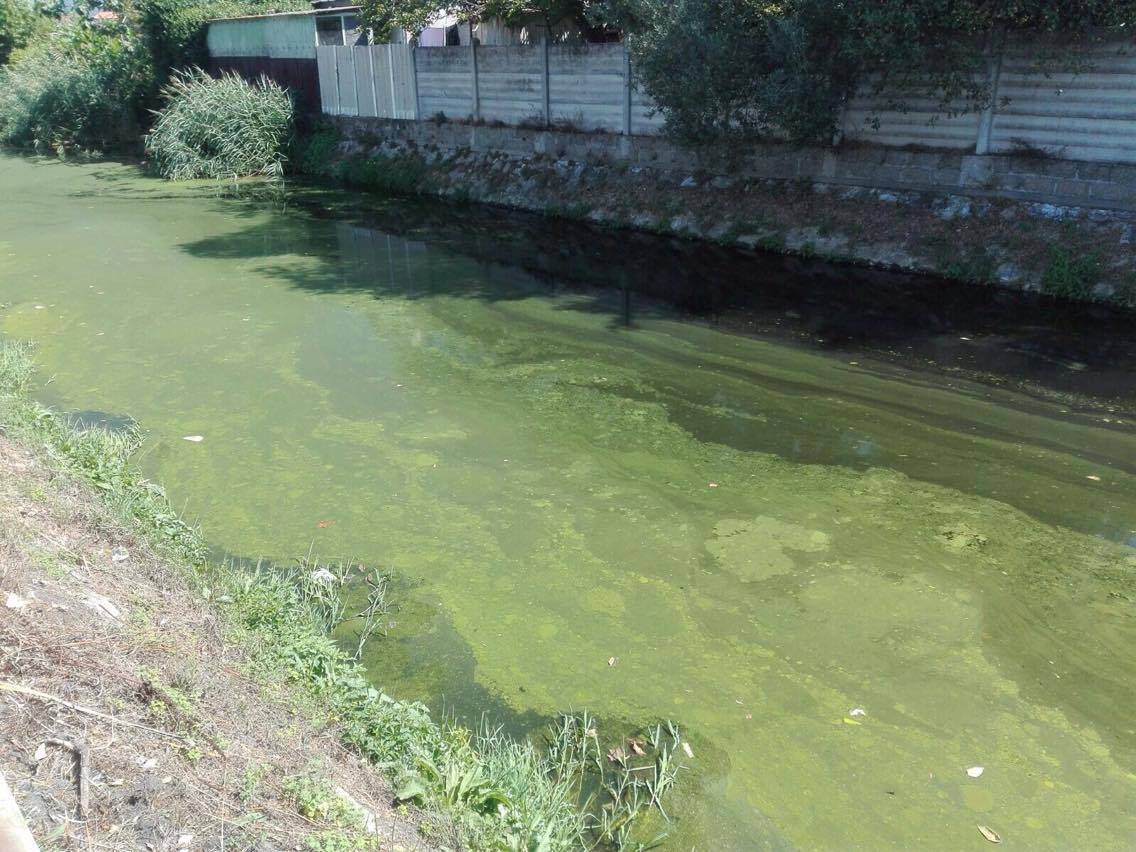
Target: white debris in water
{"points": [[857, 711], [41, 307], [975, 771], [194, 439]]}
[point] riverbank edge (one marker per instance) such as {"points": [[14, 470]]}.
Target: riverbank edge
{"points": [[476, 790], [1066, 252]]}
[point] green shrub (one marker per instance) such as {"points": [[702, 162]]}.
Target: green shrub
{"points": [[314, 151], [1070, 275], [220, 127], [20, 22]]}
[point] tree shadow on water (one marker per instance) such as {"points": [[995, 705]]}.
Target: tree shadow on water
{"points": [[412, 248]]}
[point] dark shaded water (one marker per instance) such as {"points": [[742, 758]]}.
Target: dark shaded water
{"points": [[891, 494]]}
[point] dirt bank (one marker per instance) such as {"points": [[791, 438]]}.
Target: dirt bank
{"points": [[180, 745]]}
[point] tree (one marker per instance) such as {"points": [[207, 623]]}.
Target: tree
{"points": [[20, 22], [721, 69], [413, 16]]}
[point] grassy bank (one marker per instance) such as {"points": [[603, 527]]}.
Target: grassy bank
{"points": [[475, 789]]}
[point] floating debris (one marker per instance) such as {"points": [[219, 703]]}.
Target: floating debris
{"points": [[976, 771], [194, 439], [857, 711], [990, 834]]}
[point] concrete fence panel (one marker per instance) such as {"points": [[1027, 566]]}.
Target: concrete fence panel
{"points": [[1087, 112], [445, 81], [873, 119], [511, 83], [588, 86], [1084, 109]]}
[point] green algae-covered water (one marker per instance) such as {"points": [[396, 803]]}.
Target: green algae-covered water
{"points": [[766, 535]]}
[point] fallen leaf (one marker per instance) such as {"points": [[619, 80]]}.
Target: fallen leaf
{"points": [[617, 755], [975, 771], [323, 525], [636, 746], [40, 752], [194, 439], [990, 834], [749, 715], [688, 750], [848, 721]]}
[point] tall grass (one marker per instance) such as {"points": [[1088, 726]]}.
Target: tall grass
{"points": [[220, 127]]}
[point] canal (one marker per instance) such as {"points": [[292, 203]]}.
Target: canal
{"points": [[772, 492]]}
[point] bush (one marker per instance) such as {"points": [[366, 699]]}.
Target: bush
{"points": [[77, 88], [221, 127]]}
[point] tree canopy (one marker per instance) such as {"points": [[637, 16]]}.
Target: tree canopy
{"points": [[383, 16]]}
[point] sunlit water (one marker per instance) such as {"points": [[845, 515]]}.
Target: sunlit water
{"points": [[765, 536]]}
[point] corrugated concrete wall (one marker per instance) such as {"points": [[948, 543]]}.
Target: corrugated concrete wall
{"points": [[588, 86], [1090, 115], [1085, 115], [445, 81]]}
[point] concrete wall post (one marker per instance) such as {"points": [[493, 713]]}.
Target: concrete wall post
{"points": [[473, 66], [545, 88], [626, 90], [994, 50]]}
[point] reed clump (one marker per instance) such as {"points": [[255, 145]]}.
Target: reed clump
{"points": [[220, 127]]}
